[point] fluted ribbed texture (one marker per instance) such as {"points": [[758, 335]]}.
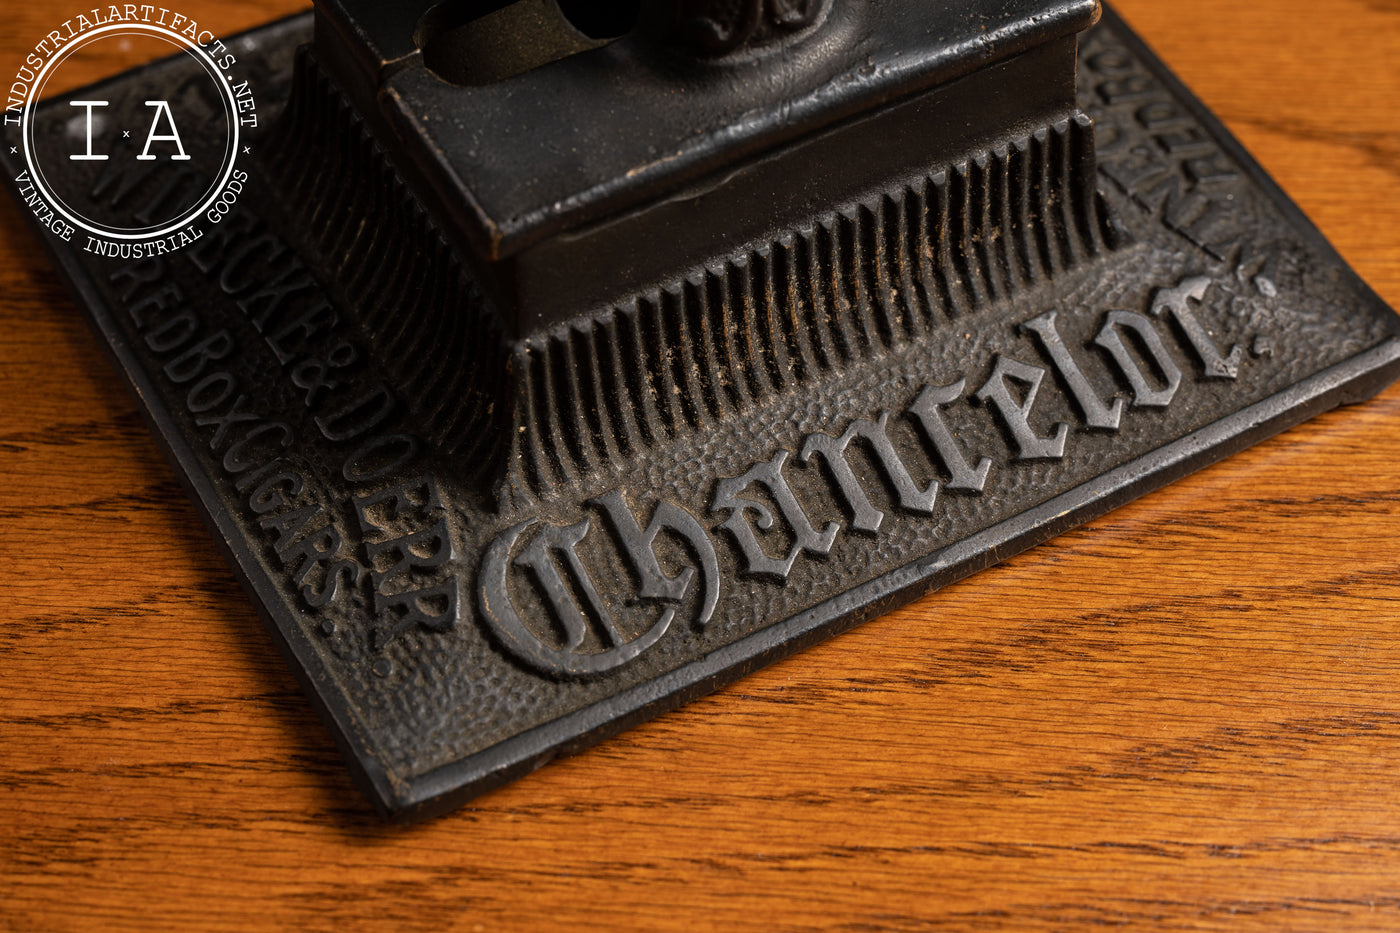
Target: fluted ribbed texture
{"points": [[433, 336], [861, 280], [711, 345]]}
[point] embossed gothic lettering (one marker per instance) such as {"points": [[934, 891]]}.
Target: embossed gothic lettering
{"points": [[927, 410], [805, 537], [556, 543], [865, 517], [638, 545], [1144, 395], [1031, 446], [1096, 413], [1177, 301], [498, 609]]}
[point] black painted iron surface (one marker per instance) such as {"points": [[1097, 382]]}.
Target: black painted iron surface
{"points": [[481, 549]]}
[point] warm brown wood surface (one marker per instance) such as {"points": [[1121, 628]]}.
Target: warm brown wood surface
{"points": [[1186, 714]]}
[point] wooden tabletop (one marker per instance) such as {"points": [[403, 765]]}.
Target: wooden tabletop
{"points": [[1185, 714]]}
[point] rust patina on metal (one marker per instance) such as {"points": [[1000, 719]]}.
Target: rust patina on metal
{"points": [[561, 361]]}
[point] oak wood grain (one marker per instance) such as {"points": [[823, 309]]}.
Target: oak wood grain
{"points": [[1183, 715]]}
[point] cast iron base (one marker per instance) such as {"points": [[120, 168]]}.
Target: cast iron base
{"points": [[681, 522]]}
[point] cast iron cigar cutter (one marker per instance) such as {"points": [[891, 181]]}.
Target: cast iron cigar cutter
{"points": [[542, 365]]}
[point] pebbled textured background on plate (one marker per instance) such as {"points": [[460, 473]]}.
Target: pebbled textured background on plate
{"points": [[1243, 714]]}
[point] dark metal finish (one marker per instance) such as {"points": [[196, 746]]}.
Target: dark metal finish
{"points": [[829, 343], [720, 28], [569, 187]]}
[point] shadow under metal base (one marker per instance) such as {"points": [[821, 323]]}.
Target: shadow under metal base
{"points": [[454, 641]]}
